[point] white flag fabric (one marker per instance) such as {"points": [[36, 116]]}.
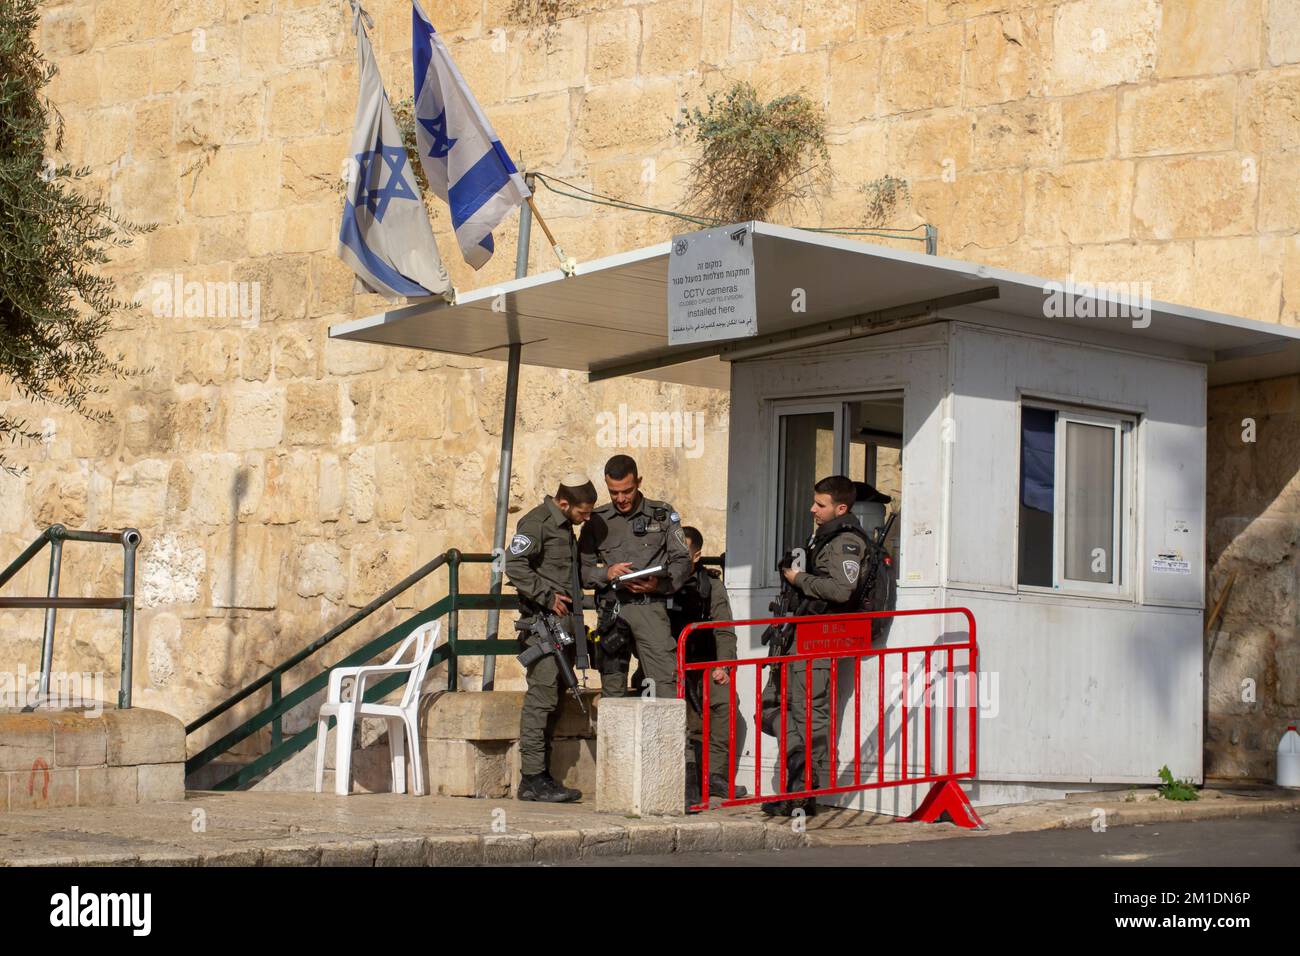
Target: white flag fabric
{"points": [[463, 160], [385, 237]]}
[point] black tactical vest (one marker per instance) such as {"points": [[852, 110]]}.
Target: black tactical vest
{"points": [[841, 526]]}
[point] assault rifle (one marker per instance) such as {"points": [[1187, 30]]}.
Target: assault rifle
{"points": [[551, 639]]}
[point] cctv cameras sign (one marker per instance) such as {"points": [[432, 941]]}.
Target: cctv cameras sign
{"points": [[711, 292]]}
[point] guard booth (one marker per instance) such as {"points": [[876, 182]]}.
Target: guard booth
{"points": [[1044, 446]]}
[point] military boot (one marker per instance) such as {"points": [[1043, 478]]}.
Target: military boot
{"points": [[564, 794], [793, 783], [542, 787], [779, 808], [720, 786]]}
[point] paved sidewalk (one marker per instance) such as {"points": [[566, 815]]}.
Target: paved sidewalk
{"points": [[1079, 811], [295, 829]]}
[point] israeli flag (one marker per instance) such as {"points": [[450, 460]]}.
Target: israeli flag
{"points": [[385, 238], [463, 160]]}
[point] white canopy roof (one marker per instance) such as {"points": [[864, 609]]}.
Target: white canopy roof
{"points": [[611, 317]]}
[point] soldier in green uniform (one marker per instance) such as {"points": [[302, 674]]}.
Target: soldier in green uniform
{"points": [[634, 533], [542, 565], [703, 598], [831, 585]]}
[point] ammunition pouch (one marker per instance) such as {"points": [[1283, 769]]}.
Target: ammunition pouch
{"points": [[612, 634]]}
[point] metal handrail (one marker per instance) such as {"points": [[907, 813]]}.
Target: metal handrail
{"points": [[54, 536], [356, 618], [281, 704], [450, 605]]}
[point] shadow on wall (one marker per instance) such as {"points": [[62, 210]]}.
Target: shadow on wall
{"points": [[1253, 527]]}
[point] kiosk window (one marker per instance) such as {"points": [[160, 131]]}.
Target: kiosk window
{"points": [[858, 437], [1071, 505], [807, 454]]}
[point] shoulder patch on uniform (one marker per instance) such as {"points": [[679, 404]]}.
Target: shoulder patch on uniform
{"points": [[851, 571], [674, 517], [520, 543], [680, 535]]}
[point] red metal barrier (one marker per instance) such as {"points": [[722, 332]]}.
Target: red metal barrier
{"points": [[838, 638]]}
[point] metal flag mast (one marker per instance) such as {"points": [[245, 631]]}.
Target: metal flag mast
{"points": [[526, 214]]}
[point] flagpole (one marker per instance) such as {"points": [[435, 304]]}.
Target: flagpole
{"points": [[566, 264], [508, 435]]}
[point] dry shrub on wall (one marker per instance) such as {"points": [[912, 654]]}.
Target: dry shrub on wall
{"points": [[543, 13], [755, 157], [883, 197]]}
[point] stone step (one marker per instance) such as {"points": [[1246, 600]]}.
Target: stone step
{"points": [[89, 757], [470, 748]]}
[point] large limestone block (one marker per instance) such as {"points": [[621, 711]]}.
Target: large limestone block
{"points": [[25, 739], [896, 16], [1166, 265], [922, 70], [79, 741], [1199, 37], [930, 146], [494, 715], [467, 768], [531, 127], [640, 757], [1279, 200], [1270, 111], [140, 736], [1239, 275], [1181, 116], [853, 82], [626, 115], [1021, 134], [1283, 30], [540, 61], [982, 210], [1004, 59], [1098, 43], [1053, 198], [612, 41], [246, 568]]}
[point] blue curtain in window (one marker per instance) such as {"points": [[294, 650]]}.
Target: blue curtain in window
{"points": [[1037, 458]]}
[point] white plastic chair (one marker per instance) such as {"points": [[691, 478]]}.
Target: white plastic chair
{"points": [[348, 704]]}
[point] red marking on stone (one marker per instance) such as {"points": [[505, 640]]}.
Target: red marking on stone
{"points": [[43, 767]]}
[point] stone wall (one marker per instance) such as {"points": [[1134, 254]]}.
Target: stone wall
{"points": [[1253, 653], [281, 479]]}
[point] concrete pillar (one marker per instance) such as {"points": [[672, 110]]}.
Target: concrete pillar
{"points": [[641, 756]]}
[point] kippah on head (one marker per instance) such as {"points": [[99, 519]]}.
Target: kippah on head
{"points": [[577, 489]]}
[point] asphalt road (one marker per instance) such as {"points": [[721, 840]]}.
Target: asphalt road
{"points": [[1266, 840]]}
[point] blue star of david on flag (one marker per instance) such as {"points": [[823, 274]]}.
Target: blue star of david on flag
{"points": [[370, 169], [463, 160], [388, 245], [437, 128]]}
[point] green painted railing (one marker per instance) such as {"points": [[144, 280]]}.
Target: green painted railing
{"points": [[283, 748]]}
